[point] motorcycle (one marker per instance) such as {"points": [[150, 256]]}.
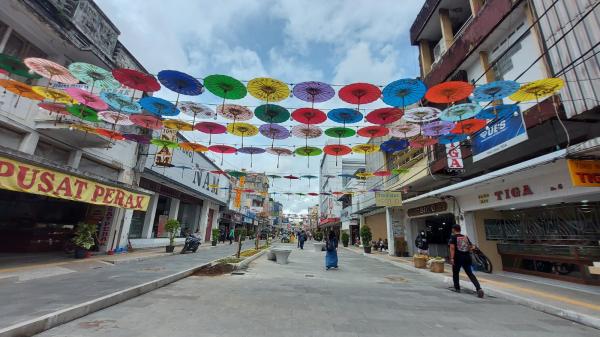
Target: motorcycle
{"points": [[191, 244]]}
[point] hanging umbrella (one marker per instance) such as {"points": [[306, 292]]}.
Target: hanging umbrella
{"points": [[57, 108], [93, 76], [451, 138], [537, 89], [495, 91], [313, 92], [236, 174], [403, 92], [279, 151], [164, 143], [83, 112], [20, 89], [339, 132], [365, 149], [290, 178], [421, 142], [384, 115], [196, 110], [83, 127], [115, 118], [146, 121], [498, 111], [329, 176], [13, 65], [308, 151], [251, 150], [87, 98], [225, 87], [50, 70], [142, 139], [56, 95], [218, 172], [337, 150], [222, 149], [181, 83], [309, 116], [373, 131], [120, 103], [437, 128], [273, 176], [274, 131], [210, 128], [235, 112], [394, 145], [268, 89], [400, 171], [112, 135], [449, 92], [195, 147], [405, 130], [159, 107], [306, 132], [421, 114], [382, 173], [272, 113], [309, 177], [178, 125], [242, 130], [469, 126], [364, 175], [345, 116], [136, 80], [312, 194], [460, 112], [359, 93]]}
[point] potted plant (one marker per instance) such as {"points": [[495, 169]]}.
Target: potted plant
{"points": [[172, 226], [318, 235], [420, 261], [84, 239], [437, 264], [215, 236], [345, 238], [366, 237]]}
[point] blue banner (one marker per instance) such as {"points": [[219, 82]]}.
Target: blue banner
{"points": [[498, 136]]}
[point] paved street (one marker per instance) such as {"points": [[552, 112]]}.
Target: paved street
{"points": [[365, 297]]}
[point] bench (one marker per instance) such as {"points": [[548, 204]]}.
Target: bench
{"points": [[281, 255]]}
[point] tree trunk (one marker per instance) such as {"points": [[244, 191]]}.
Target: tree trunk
{"points": [[239, 250]]}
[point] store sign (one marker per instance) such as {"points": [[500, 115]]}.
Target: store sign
{"points": [[584, 173], [454, 155], [499, 136], [438, 207], [388, 199], [164, 155], [21, 177]]}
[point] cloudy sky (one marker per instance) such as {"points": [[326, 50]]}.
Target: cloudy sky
{"points": [[335, 41]]}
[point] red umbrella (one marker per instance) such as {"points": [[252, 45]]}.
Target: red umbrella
{"points": [[222, 149], [110, 134], [309, 116], [136, 80], [468, 126], [146, 121], [291, 177], [312, 194], [382, 173], [58, 108], [448, 92], [217, 172], [337, 150], [359, 93], [421, 142], [384, 115], [373, 131], [210, 128]]}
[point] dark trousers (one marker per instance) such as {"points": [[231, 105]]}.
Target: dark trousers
{"points": [[301, 244], [465, 263]]}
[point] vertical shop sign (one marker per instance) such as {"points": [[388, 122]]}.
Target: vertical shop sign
{"points": [[238, 193], [164, 155], [454, 155], [106, 225]]}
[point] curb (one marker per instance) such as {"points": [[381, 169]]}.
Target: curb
{"points": [[587, 320], [244, 264], [49, 321]]}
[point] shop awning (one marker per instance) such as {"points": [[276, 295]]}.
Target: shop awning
{"points": [[328, 221]]}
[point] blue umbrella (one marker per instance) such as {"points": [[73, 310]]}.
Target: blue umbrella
{"points": [[495, 90], [345, 115], [158, 106], [460, 112], [451, 138], [120, 103], [394, 145], [181, 83], [498, 111], [404, 92]]}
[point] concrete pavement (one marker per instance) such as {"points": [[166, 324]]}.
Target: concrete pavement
{"points": [[365, 297]]}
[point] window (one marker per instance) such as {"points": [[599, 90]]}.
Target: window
{"points": [[52, 153], [18, 46], [92, 166]]}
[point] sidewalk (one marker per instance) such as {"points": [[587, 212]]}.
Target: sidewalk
{"points": [[579, 303]]}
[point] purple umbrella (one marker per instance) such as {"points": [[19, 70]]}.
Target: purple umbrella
{"points": [[137, 138], [437, 128], [251, 150], [313, 92], [274, 131]]}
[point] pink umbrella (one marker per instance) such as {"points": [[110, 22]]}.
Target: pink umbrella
{"points": [[87, 98], [146, 121], [222, 149], [50, 70], [114, 117], [210, 128], [279, 151]]}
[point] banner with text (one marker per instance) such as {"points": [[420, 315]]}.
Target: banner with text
{"points": [[389, 199], [584, 173], [498, 136]]}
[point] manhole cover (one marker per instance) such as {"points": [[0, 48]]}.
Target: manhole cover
{"points": [[238, 273], [395, 279]]}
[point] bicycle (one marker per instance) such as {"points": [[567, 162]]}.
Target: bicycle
{"points": [[480, 261]]}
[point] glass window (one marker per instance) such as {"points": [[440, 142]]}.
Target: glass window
{"points": [[52, 152]]}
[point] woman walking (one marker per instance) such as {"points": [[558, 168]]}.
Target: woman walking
{"points": [[331, 258]]}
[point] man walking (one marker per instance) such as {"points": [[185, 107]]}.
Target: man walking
{"points": [[301, 239], [460, 256], [231, 235]]}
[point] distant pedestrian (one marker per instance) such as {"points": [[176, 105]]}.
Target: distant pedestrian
{"points": [[301, 239], [460, 256], [331, 258], [231, 235], [422, 243]]}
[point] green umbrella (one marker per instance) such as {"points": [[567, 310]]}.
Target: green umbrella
{"points": [[272, 113], [164, 143], [273, 176], [83, 112], [309, 177], [225, 87], [93, 75], [15, 66], [400, 171], [340, 133], [308, 151], [236, 174]]}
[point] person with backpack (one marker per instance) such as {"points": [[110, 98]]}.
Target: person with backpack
{"points": [[460, 257], [301, 239], [422, 243], [331, 258]]}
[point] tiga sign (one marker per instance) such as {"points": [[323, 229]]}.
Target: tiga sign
{"points": [[454, 156], [21, 177], [585, 173]]}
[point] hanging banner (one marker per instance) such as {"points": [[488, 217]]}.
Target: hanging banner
{"points": [[454, 155], [389, 199], [164, 155], [584, 173], [237, 204], [499, 136], [21, 177]]}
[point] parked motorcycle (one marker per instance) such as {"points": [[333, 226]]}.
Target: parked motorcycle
{"points": [[191, 244]]}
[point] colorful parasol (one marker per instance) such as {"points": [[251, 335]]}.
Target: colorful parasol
{"points": [[469, 126], [384, 115], [373, 131], [359, 93], [272, 113], [312, 194], [421, 115], [225, 86], [405, 130], [196, 110], [394, 145], [222, 149], [178, 125], [403, 92], [537, 89], [498, 111], [309, 116], [136, 80], [181, 83], [308, 151], [400, 171], [364, 175], [195, 147], [382, 173], [112, 135], [291, 177], [345, 116], [273, 177], [164, 143], [495, 91], [451, 138], [50, 70], [158, 106], [142, 139], [218, 172], [210, 128], [337, 150], [306, 131], [93, 76], [83, 127], [313, 92], [120, 103], [268, 89], [437, 128], [13, 65], [58, 108], [274, 131], [448, 92], [365, 149], [146, 121], [242, 130], [460, 112], [87, 98], [309, 177], [235, 112], [339, 132], [279, 151], [20, 89], [83, 112], [115, 118], [56, 95], [421, 142], [251, 150]]}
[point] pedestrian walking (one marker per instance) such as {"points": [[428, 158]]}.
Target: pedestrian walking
{"points": [[301, 239], [460, 257], [231, 235], [331, 258], [422, 243]]}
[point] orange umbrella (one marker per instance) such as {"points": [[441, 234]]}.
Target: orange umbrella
{"points": [[20, 89], [468, 126], [448, 92], [109, 134], [189, 146]]}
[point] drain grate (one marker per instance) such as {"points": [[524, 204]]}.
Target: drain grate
{"points": [[309, 275], [395, 279], [238, 273]]}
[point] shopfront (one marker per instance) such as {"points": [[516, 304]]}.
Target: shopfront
{"points": [[435, 218]]}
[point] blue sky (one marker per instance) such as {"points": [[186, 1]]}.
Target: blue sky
{"points": [[333, 41]]}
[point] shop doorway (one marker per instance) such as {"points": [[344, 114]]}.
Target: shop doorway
{"points": [[438, 229]]}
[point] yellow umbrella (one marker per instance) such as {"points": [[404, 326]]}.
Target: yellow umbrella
{"points": [[242, 130], [365, 149], [364, 174], [537, 89], [189, 146], [268, 89], [177, 125], [56, 95], [213, 186], [83, 127]]}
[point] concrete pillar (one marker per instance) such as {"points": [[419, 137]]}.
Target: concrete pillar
{"points": [[410, 234], [484, 61], [149, 218], [74, 158], [361, 222], [204, 217], [5, 38], [467, 224], [174, 208], [426, 57], [29, 143], [196, 218], [475, 6], [446, 25], [125, 226], [390, 221]]}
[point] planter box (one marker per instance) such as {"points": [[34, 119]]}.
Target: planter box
{"points": [[437, 267], [420, 262], [367, 249]]}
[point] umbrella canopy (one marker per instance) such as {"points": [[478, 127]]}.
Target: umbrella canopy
{"points": [[225, 86], [279, 151], [146, 121], [469, 126], [345, 115], [495, 91], [93, 75], [113, 135], [346, 175], [403, 92], [448, 92], [498, 111], [373, 131], [83, 127], [87, 98], [114, 117], [306, 131], [308, 151], [394, 145], [136, 80], [181, 83], [120, 102], [359, 93], [405, 130], [337, 150], [460, 112], [340, 132], [142, 139], [309, 177], [268, 89], [236, 174], [421, 114], [242, 130], [291, 177], [364, 174], [210, 128], [251, 150], [20, 89], [195, 147], [382, 173], [222, 149], [421, 142], [235, 112], [451, 138], [272, 113], [56, 95], [309, 116], [313, 92], [178, 125], [365, 148], [83, 112], [537, 89], [274, 131], [158, 106], [50, 70], [58, 108], [384, 115], [196, 110], [312, 194], [437, 128], [164, 143], [400, 171], [13, 65]]}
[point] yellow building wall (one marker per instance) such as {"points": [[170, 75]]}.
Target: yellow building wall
{"points": [[378, 226], [487, 246]]}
